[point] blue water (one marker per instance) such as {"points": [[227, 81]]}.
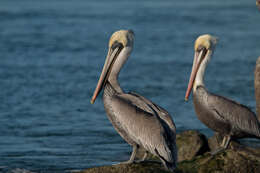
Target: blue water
{"points": [[52, 52]]}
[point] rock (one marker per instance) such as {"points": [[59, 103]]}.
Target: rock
{"points": [[237, 158], [215, 141], [129, 168], [257, 87], [191, 143], [241, 159]]}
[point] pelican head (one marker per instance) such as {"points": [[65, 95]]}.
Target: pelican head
{"points": [[119, 48], [204, 47]]}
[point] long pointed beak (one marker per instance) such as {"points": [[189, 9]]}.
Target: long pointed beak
{"points": [[111, 56], [198, 57]]}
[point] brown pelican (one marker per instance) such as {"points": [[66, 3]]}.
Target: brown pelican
{"points": [[140, 122], [258, 4], [257, 87], [221, 114]]}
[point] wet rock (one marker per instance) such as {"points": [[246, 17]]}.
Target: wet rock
{"points": [[129, 168], [215, 141], [237, 158], [257, 87], [241, 159], [191, 143]]}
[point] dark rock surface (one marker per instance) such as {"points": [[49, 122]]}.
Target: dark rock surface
{"points": [[191, 143], [195, 158], [128, 168]]}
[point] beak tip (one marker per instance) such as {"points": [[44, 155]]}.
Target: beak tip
{"points": [[186, 99], [92, 101]]}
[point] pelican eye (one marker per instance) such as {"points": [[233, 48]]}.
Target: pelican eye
{"points": [[201, 48], [116, 44], [204, 51]]}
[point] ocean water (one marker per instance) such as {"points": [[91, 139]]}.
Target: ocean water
{"points": [[52, 53]]}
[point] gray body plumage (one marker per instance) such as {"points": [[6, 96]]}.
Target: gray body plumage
{"points": [[142, 123], [225, 116]]}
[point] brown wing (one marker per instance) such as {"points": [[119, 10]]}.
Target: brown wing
{"points": [[145, 128], [162, 113], [239, 116]]}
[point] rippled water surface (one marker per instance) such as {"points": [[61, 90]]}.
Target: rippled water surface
{"points": [[52, 52]]}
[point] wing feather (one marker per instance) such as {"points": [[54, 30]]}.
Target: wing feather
{"points": [[143, 125], [239, 116], [162, 113]]}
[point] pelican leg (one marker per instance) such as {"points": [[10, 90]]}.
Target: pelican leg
{"points": [[143, 160], [223, 146], [132, 158], [227, 141], [223, 142], [145, 156]]}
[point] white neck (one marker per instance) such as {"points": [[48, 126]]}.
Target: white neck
{"points": [[199, 80], [117, 66]]}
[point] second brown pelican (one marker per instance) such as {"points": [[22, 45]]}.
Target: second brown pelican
{"points": [[221, 114], [140, 122]]}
